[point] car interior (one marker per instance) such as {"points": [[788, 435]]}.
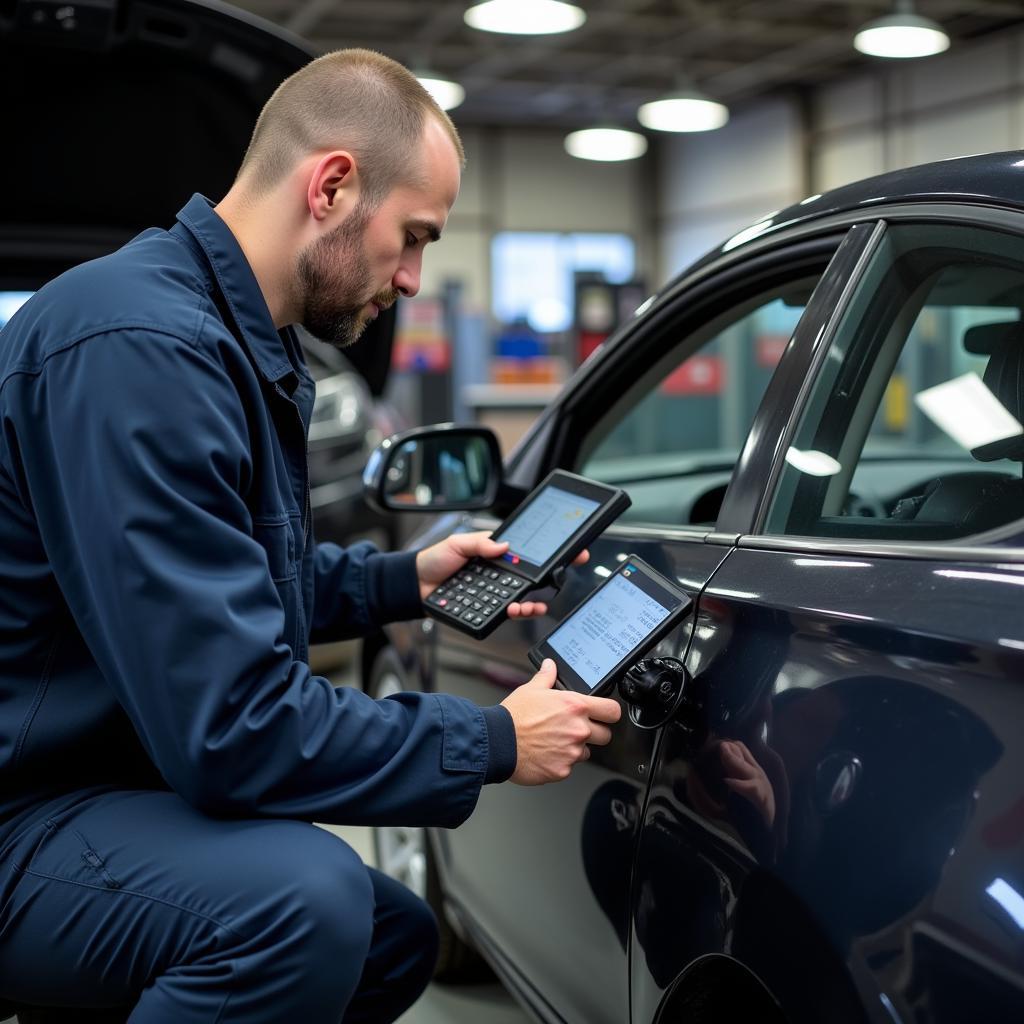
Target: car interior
{"points": [[942, 314]]}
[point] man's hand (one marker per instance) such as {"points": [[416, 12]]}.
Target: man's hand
{"points": [[553, 727], [435, 564]]}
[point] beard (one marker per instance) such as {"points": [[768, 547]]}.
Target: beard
{"points": [[335, 278]]}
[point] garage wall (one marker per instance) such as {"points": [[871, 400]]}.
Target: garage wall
{"points": [[525, 181], [713, 184], [970, 100]]}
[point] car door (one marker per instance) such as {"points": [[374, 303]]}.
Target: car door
{"points": [[845, 831], [544, 874]]}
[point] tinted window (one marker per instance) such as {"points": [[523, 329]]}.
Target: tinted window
{"points": [[676, 432], [912, 431]]}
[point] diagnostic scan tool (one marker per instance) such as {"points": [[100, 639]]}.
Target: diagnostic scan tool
{"points": [[558, 519], [613, 628]]}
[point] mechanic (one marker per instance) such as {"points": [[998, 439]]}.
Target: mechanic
{"points": [[163, 743]]}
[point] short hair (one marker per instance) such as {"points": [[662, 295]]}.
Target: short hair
{"points": [[348, 99]]}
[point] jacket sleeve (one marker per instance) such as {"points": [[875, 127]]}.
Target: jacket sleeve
{"points": [[358, 589], [135, 457]]}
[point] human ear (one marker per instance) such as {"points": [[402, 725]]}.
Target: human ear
{"points": [[333, 185]]}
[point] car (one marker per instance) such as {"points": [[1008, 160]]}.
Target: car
{"points": [[820, 427], [91, 81]]}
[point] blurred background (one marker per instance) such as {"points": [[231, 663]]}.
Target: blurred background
{"points": [[546, 253]]}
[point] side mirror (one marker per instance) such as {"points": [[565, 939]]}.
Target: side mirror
{"points": [[441, 468]]}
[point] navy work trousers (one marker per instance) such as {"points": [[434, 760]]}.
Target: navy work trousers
{"points": [[135, 900]]}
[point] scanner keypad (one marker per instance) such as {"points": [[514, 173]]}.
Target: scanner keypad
{"points": [[477, 596]]}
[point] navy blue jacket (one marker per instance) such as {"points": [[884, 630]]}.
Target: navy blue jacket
{"points": [[159, 585]]}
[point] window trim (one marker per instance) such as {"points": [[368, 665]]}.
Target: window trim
{"points": [[973, 552], [763, 457]]}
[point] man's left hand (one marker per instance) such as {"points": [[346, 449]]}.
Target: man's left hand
{"points": [[435, 564]]}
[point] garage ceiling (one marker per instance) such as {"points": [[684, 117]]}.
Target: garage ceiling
{"points": [[628, 52]]}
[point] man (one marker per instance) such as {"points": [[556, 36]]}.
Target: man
{"points": [[163, 743]]}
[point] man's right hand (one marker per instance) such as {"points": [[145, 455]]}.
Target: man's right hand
{"points": [[554, 727]]}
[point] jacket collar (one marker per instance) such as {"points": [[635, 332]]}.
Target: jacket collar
{"points": [[239, 287]]}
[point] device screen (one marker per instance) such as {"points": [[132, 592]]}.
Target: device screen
{"points": [[605, 629], [546, 524]]}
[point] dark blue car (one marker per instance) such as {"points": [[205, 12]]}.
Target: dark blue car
{"points": [[820, 427]]}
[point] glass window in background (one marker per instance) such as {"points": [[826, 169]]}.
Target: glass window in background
{"points": [[913, 431], [533, 273]]}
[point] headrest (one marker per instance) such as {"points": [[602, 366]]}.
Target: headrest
{"points": [[1003, 343]]}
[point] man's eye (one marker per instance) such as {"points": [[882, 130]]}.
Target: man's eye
{"points": [[412, 241]]}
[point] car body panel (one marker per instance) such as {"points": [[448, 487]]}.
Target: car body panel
{"points": [[165, 89], [882, 700]]}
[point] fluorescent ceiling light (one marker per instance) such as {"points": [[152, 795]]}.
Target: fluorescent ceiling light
{"points": [[608, 144], [902, 35], [447, 94], [966, 410], [684, 112], [525, 17], [812, 462]]}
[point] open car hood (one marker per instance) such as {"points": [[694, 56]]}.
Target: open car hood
{"points": [[115, 112]]}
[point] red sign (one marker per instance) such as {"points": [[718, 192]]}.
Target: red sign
{"points": [[699, 375]]}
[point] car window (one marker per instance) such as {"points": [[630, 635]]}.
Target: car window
{"points": [[675, 433], [912, 429]]}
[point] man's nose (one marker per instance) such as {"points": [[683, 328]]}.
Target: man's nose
{"points": [[407, 278]]}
